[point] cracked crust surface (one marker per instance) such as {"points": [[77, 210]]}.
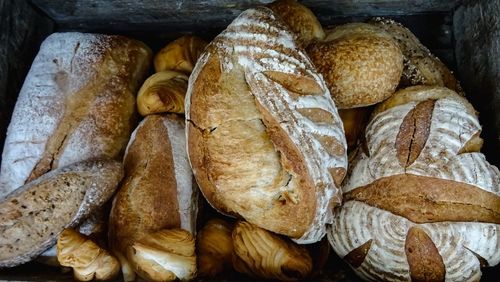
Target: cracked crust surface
{"points": [[265, 140], [77, 103], [421, 191]]}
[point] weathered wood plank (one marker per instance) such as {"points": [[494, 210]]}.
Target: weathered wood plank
{"points": [[189, 14], [22, 30], [477, 35]]}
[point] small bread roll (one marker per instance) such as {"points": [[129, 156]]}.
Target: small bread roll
{"points": [[360, 63], [163, 92], [180, 54], [300, 20]]}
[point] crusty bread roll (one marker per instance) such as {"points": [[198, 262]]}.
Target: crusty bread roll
{"points": [[158, 191], [264, 137], [33, 216], [76, 103], [300, 20], [417, 205], [361, 64], [421, 67]]}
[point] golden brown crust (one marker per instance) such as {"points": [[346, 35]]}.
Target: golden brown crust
{"points": [[180, 55], [427, 199], [163, 92], [426, 264], [144, 202], [360, 67], [214, 245], [413, 133], [263, 254], [421, 67], [300, 20]]}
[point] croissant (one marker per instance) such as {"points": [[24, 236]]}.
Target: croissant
{"points": [[165, 255], [260, 253], [180, 54], [163, 92], [215, 247], [87, 259]]}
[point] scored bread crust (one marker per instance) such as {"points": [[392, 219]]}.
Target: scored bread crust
{"points": [[438, 190], [158, 190], [77, 103], [264, 137]]}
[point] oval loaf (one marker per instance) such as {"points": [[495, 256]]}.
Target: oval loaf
{"points": [[264, 137]]}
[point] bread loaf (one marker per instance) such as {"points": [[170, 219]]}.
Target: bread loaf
{"points": [[77, 103], [33, 216], [421, 67], [361, 64], [158, 191], [264, 137], [421, 202]]}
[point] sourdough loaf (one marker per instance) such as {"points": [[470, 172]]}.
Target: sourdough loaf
{"points": [[33, 216], [77, 103], [421, 201], [264, 137], [361, 64], [158, 192]]}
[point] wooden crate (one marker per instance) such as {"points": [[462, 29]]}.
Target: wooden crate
{"points": [[465, 34]]}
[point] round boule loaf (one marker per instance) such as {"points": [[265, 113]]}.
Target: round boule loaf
{"points": [[360, 63], [421, 202]]}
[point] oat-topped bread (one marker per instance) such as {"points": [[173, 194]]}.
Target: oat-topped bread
{"points": [[421, 202], [264, 137], [77, 103]]}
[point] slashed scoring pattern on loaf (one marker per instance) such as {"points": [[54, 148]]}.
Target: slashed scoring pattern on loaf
{"points": [[187, 196], [452, 125], [262, 45]]}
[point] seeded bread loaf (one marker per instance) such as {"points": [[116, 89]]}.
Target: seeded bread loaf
{"points": [[421, 202], [264, 137], [33, 216]]}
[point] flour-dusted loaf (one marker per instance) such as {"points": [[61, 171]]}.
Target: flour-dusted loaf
{"points": [[33, 216], [421, 202], [264, 137], [77, 103], [159, 190]]}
